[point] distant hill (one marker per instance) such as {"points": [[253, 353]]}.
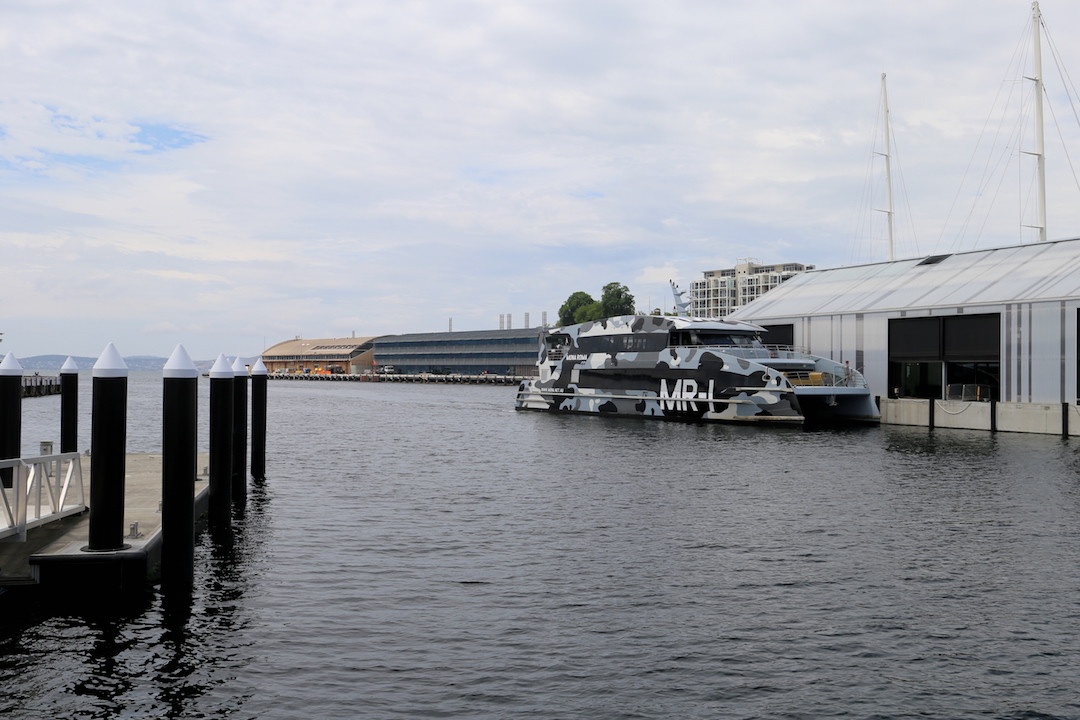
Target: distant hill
{"points": [[137, 363]]}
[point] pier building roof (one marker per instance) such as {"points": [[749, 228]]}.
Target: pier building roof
{"points": [[1021, 273], [319, 348]]}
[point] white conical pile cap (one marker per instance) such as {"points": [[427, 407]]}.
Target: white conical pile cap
{"points": [[221, 368], [179, 365], [258, 368], [110, 364], [10, 366], [238, 367], [69, 367]]}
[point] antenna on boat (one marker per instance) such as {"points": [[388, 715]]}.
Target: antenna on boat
{"points": [[1040, 156], [888, 164], [682, 307]]}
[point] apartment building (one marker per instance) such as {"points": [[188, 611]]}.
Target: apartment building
{"points": [[721, 292]]}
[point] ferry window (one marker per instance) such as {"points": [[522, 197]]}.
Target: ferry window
{"points": [[635, 343], [624, 342], [558, 341], [698, 338]]}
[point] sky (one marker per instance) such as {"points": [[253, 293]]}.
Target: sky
{"points": [[228, 174]]}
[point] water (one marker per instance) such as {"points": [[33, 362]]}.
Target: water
{"points": [[423, 551]]}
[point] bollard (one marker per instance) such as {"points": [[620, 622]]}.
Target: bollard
{"points": [[178, 469], [259, 378], [11, 374], [69, 406], [108, 448], [239, 433], [222, 379]]}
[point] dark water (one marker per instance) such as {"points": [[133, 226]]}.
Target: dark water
{"points": [[426, 552]]}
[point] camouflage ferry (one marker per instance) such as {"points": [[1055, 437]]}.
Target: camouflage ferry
{"points": [[681, 368]]}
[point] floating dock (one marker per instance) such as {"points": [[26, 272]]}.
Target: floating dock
{"points": [[53, 555]]}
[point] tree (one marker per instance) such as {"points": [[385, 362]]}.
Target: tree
{"points": [[616, 300], [580, 307], [592, 311], [569, 309]]}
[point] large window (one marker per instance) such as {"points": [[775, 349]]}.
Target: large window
{"points": [[956, 356], [779, 335], [916, 379]]}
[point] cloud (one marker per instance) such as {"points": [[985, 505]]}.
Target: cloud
{"points": [[216, 172]]}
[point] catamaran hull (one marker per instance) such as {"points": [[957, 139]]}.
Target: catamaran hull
{"points": [[743, 407], [703, 393], [838, 405]]}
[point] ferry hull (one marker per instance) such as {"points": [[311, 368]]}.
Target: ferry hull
{"points": [[745, 406]]}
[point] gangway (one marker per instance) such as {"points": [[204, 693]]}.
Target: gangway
{"points": [[37, 491]]}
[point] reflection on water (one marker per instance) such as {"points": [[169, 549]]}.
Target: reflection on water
{"points": [[424, 551]]}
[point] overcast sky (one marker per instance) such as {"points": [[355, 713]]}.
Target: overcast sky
{"points": [[228, 174]]}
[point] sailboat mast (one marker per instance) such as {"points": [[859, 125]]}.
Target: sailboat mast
{"points": [[888, 163], [887, 154], [1040, 156]]}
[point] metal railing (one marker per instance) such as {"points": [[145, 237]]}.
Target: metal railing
{"points": [[822, 379], [970, 392], [43, 489], [758, 352]]}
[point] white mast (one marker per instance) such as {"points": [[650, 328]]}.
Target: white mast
{"points": [[1040, 156], [888, 163]]}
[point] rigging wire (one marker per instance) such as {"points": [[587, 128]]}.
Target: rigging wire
{"points": [[865, 225], [997, 169], [864, 211], [1061, 137], [1013, 62], [1070, 93], [906, 202]]}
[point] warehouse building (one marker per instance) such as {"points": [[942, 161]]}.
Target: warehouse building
{"points": [[321, 355], [982, 339], [496, 352]]}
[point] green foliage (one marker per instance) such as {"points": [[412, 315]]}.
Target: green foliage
{"points": [[580, 306], [569, 309], [616, 300], [592, 311]]}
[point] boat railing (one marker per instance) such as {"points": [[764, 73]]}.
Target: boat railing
{"points": [[787, 351], [39, 490], [824, 378], [759, 352]]}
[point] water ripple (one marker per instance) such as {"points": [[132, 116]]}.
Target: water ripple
{"points": [[425, 552]]}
